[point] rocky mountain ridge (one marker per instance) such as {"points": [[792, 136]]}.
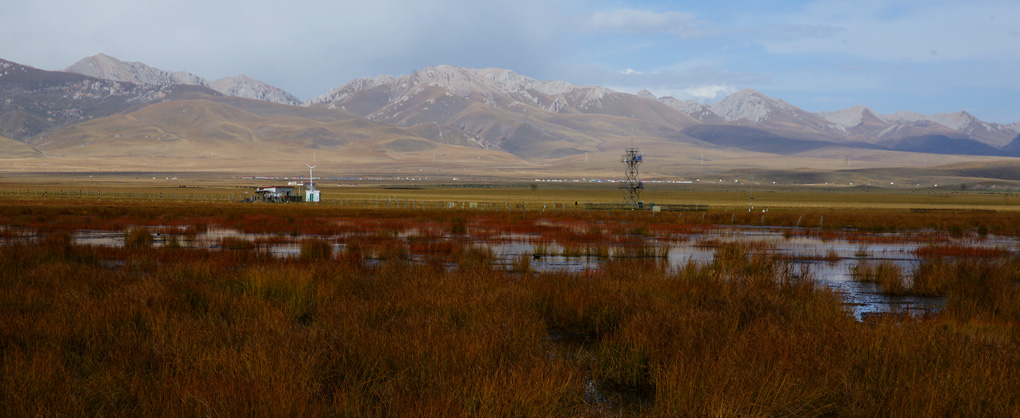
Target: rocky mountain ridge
{"points": [[502, 110], [105, 67], [513, 89], [482, 109], [33, 101], [853, 122]]}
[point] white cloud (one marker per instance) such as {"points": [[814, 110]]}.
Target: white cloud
{"points": [[684, 25], [706, 94], [709, 93]]}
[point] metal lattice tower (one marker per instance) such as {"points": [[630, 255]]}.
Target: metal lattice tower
{"points": [[631, 185]]}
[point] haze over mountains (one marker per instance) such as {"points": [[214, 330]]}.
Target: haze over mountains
{"points": [[102, 107]]}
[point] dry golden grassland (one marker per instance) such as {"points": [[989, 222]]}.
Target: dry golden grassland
{"points": [[433, 325]]}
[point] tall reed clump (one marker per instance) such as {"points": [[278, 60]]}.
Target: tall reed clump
{"points": [[316, 249], [984, 289], [458, 226], [934, 277], [138, 236], [886, 274], [521, 263]]}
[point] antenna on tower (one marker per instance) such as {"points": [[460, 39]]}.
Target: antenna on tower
{"points": [[631, 185]]}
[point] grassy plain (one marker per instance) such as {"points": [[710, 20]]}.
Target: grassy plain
{"points": [[722, 195], [407, 317]]}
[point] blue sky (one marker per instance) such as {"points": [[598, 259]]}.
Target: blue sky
{"points": [[924, 56]]}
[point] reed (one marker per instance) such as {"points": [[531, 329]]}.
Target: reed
{"points": [[236, 243], [934, 277], [597, 251], [116, 331], [542, 249], [316, 249], [862, 252], [572, 251], [521, 263], [886, 274], [138, 237], [642, 250], [832, 255]]}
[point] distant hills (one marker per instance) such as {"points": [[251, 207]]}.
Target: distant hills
{"points": [[101, 107]]}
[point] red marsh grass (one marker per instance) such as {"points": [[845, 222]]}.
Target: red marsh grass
{"points": [[151, 330], [929, 251]]}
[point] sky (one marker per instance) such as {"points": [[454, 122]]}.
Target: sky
{"points": [[926, 56]]}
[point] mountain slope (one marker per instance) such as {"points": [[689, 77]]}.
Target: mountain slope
{"points": [[693, 109], [10, 148], [34, 102], [184, 128], [752, 106], [858, 121], [500, 109], [105, 67], [993, 134], [242, 86], [760, 140]]}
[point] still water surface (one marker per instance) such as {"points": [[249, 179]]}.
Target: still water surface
{"points": [[828, 260]]}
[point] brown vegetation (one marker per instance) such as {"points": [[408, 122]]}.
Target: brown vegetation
{"points": [[442, 330]]}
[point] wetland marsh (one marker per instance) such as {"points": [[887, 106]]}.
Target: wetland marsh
{"points": [[183, 308]]}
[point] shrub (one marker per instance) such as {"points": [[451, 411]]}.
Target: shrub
{"points": [[138, 237], [316, 249]]}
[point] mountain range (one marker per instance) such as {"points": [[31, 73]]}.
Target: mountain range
{"points": [[101, 107], [105, 67]]}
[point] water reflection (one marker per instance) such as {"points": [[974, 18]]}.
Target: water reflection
{"points": [[829, 259]]}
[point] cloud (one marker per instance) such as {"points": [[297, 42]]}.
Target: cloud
{"points": [[680, 24], [696, 79], [304, 46], [935, 31], [709, 93], [800, 30]]}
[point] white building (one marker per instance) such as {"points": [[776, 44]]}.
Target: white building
{"points": [[311, 195]]}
